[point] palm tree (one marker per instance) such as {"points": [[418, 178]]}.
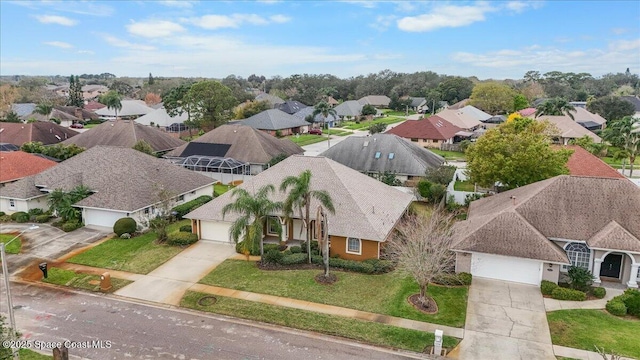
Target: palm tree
{"points": [[56, 198], [323, 108], [253, 211], [43, 109], [113, 100], [622, 134], [300, 198], [556, 106]]}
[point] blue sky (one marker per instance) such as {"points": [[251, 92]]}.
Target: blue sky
{"points": [[501, 39]]}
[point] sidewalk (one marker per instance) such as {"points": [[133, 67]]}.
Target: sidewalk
{"points": [[553, 304]]}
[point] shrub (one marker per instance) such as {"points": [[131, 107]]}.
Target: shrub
{"points": [[616, 307], [125, 236], [70, 226], [181, 238], [350, 265], [579, 278], [2, 213], [314, 247], [287, 252], [186, 228], [253, 250], [42, 218], [124, 225], [631, 299], [561, 293], [35, 212], [293, 259], [599, 292], [268, 247], [547, 287], [183, 209], [19, 214], [465, 278], [295, 249], [5, 218], [380, 266], [272, 256]]}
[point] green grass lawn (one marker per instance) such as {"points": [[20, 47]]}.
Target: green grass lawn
{"points": [[582, 329], [397, 113], [14, 247], [449, 155], [81, 281], [382, 294], [26, 354], [220, 189], [337, 132], [307, 139], [89, 126], [369, 332], [464, 186], [139, 254], [364, 125]]}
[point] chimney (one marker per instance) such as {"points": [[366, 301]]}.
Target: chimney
{"points": [[514, 199]]}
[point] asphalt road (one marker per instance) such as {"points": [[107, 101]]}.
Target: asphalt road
{"points": [[129, 330]]}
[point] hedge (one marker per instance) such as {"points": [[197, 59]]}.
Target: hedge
{"points": [[561, 293], [599, 292], [631, 299], [294, 259], [70, 226], [547, 287], [616, 307], [125, 225], [42, 218], [20, 217], [35, 212], [185, 228], [183, 209], [272, 256], [181, 238]]}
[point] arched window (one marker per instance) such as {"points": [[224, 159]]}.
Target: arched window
{"points": [[579, 255]]}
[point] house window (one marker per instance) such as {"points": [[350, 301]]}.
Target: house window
{"points": [[146, 211], [579, 255], [272, 228], [414, 140], [354, 246], [435, 141], [12, 204], [391, 155], [181, 198]]}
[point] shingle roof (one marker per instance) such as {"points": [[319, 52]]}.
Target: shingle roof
{"points": [[569, 128], [291, 107], [615, 237], [359, 153], [465, 118], [583, 163], [73, 110], [17, 165], [563, 207], [273, 119], [417, 101], [271, 99], [45, 132], [303, 113], [23, 109], [433, 128], [129, 108], [247, 144], [161, 117], [121, 179], [581, 115], [349, 108], [365, 208], [94, 105], [125, 133], [375, 100]]}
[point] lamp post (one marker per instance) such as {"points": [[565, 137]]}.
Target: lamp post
{"points": [[5, 273]]}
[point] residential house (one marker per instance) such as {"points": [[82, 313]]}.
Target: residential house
{"points": [[349, 110], [457, 106], [429, 133], [635, 100], [79, 113], [92, 92], [93, 106], [568, 129], [384, 153], [468, 118], [418, 104], [318, 119], [23, 109], [131, 109], [45, 132], [379, 101], [160, 118], [331, 101], [271, 99], [125, 133], [276, 122], [584, 163], [16, 165], [366, 210], [291, 107], [588, 120], [535, 232], [233, 149], [123, 183]]}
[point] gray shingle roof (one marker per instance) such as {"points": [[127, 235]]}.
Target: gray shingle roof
{"points": [[273, 119], [291, 107], [417, 101], [365, 208], [349, 108], [121, 178], [129, 108], [23, 109], [375, 100], [359, 153], [271, 99]]}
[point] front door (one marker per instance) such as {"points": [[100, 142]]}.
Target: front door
{"points": [[611, 266]]}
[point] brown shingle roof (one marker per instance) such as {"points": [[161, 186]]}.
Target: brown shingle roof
{"points": [[583, 163], [432, 128], [615, 237], [45, 132], [125, 133], [365, 208], [15, 165]]}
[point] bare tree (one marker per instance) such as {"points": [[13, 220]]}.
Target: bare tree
{"points": [[602, 352], [420, 248]]}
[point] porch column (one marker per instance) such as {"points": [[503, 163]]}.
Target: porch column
{"points": [[596, 271], [633, 277], [283, 233]]}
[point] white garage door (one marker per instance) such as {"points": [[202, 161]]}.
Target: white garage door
{"points": [[506, 268], [215, 230], [101, 217]]}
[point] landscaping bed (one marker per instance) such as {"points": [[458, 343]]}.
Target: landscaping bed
{"points": [[140, 254], [365, 331], [583, 329], [81, 281], [383, 294]]}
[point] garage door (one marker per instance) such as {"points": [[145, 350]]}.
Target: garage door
{"points": [[215, 230], [506, 268], [101, 217]]}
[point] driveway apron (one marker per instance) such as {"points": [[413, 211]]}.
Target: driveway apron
{"points": [[168, 283], [505, 320]]}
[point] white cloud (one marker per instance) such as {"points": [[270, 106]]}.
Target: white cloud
{"points": [[154, 28], [619, 31], [184, 4], [447, 16], [521, 6], [55, 19], [383, 22], [269, 2], [279, 19], [75, 7], [114, 41], [624, 45], [212, 22], [364, 3], [58, 44]]}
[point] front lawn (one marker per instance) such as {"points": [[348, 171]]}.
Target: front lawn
{"points": [[307, 139], [81, 281], [464, 186], [139, 254], [364, 125], [15, 246], [582, 329], [366, 331], [383, 294]]}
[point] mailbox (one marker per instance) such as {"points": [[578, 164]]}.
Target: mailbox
{"points": [[43, 268], [105, 282], [437, 343]]}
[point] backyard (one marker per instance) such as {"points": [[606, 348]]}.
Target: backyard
{"points": [[383, 294], [464, 186]]}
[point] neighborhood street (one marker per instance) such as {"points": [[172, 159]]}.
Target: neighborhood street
{"points": [[138, 331]]}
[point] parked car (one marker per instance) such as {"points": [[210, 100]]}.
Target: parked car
{"points": [[315, 131], [77, 126]]}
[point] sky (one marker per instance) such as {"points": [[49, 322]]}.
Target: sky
{"points": [[214, 39]]}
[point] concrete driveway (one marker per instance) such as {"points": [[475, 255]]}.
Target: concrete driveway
{"points": [[505, 320]]}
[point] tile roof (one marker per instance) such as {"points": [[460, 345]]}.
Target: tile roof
{"points": [[365, 208], [273, 119], [125, 133], [563, 207], [121, 179], [247, 144], [433, 128], [17, 165], [395, 155], [583, 163], [46, 132]]}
